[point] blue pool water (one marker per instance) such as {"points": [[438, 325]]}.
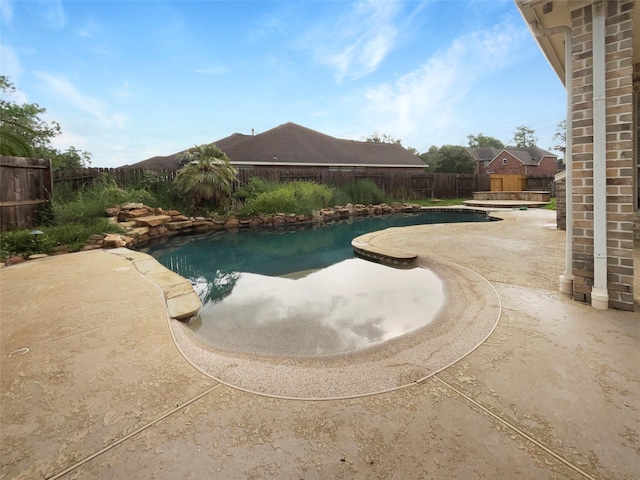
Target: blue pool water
{"points": [[301, 292]]}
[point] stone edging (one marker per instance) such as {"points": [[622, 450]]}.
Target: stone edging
{"points": [[181, 299]]}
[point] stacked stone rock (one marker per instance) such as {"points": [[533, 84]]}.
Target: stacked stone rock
{"points": [[142, 223]]}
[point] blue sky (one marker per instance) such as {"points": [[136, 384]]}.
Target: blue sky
{"points": [[128, 80]]}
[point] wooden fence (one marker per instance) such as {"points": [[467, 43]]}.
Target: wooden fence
{"points": [[400, 185], [124, 177], [521, 183], [25, 187]]}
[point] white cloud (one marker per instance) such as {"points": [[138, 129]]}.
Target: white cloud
{"points": [[89, 28], [10, 63], [212, 70], [55, 14], [123, 93], [6, 11], [359, 41], [85, 103], [431, 97]]}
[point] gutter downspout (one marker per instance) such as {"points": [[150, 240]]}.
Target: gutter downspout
{"points": [[566, 279], [599, 293]]}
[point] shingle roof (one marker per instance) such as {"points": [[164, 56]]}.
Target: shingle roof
{"points": [[482, 154], [527, 155], [292, 144]]}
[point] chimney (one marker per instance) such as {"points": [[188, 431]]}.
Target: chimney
{"points": [[253, 132]]}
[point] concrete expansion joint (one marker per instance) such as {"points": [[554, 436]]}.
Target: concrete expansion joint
{"points": [[515, 429], [134, 433]]}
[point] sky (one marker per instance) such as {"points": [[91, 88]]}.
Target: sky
{"points": [[128, 80]]}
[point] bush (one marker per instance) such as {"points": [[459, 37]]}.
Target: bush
{"points": [[73, 235], [23, 242], [92, 201], [363, 191], [255, 187], [295, 197]]}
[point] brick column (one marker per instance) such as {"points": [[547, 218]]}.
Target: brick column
{"points": [[620, 153]]}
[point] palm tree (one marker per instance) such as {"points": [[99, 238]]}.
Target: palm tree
{"points": [[207, 176], [15, 133]]}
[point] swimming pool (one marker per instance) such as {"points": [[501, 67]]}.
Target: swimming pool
{"points": [[302, 293]]}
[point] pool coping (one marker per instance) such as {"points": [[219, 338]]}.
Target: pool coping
{"points": [[181, 299]]}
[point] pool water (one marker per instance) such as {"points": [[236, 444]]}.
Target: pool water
{"points": [[301, 293]]}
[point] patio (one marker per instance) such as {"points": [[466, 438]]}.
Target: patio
{"points": [[103, 392]]}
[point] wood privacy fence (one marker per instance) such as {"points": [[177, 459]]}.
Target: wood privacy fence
{"points": [[25, 187], [520, 183], [124, 177], [398, 184]]}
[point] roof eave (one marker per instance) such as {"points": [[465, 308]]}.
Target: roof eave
{"points": [[552, 45], [340, 165]]}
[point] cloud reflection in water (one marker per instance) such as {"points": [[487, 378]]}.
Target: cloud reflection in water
{"points": [[348, 306]]}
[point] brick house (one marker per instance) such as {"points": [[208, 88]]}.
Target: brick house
{"points": [[594, 47], [292, 146], [514, 161]]}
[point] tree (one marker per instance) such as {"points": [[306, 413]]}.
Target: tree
{"points": [[376, 137], [448, 159], [70, 159], [481, 140], [208, 175], [524, 137], [413, 151], [24, 133], [560, 137], [431, 158]]}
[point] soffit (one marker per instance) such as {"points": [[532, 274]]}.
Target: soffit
{"points": [[555, 13]]}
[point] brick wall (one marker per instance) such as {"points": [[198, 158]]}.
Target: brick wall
{"points": [[620, 153], [546, 166]]}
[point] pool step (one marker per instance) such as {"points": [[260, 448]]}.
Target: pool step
{"points": [[386, 256]]}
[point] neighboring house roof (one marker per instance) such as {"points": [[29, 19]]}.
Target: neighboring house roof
{"points": [[527, 155], [483, 154], [293, 145]]}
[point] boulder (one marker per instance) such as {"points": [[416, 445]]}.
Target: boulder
{"points": [[14, 260], [232, 222], [179, 225], [90, 247], [131, 206], [152, 220], [113, 211], [137, 232], [139, 212], [158, 231], [113, 241]]}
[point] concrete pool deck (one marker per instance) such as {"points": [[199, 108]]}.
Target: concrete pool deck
{"points": [[103, 392]]}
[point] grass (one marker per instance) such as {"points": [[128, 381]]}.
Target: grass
{"points": [[71, 217], [552, 205], [436, 202]]}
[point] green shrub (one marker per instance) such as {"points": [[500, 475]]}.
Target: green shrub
{"points": [[294, 197], [73, 235], [254, 187], [23, 242], [91, 201], [363, 191]]}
